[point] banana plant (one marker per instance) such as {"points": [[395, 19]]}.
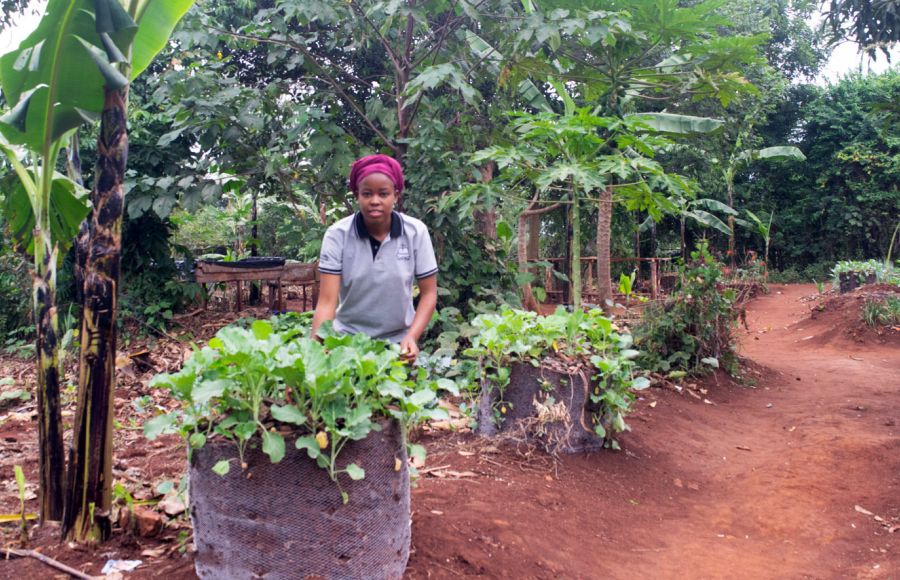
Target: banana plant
{"points": [[740, 160], [54, 83], [145, 28], [764, 229], [74, 67]]}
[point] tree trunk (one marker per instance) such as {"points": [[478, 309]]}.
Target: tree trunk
{"points": [[576, 252], [525, 248], [73, 169], [254, 243], [534, 238], [731, 244], [604, 222], [528, 300], [51, 458], [567, 263], [87, 514]]}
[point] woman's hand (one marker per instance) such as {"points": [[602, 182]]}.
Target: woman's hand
{"points": [[409, 350], [329, 289]]}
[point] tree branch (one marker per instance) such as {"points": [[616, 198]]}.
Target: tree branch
{"points": [[325, 75]]}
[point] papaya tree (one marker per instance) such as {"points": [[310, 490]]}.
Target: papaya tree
{"points": [[630, 57], [742, 158], [570, 158]]}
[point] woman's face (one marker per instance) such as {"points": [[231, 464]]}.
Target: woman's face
{"points": [[376, 197]]}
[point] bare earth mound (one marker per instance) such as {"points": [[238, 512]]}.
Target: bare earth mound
{"points": [[838, 319]]}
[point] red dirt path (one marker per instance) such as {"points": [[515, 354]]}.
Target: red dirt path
{"points": [[761, 482]]}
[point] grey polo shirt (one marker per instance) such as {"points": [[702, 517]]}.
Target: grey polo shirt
{"points": [[376, 290]]}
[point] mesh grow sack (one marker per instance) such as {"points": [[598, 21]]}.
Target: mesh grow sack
{"points": [[549, 407], [287, 520]]}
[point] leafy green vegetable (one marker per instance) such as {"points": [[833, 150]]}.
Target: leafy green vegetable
{"points": [[253, 377], [587, 337]]}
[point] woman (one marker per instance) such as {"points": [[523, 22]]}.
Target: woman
{"points": [[369, 260]]}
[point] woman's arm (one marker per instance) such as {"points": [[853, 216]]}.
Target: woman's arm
{"points": [[329, 290], [409, 347]]}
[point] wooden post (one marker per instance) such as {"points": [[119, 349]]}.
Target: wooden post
{"points": [[654, 278], [239, 284]]}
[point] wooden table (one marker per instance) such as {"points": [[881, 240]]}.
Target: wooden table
{"points": [[301, 274]]}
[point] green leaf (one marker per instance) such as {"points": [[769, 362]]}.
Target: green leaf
{"points": [[640, 383], [417, 452], [155, 26], [449, 386], [197, 440], [422, 397], [781, 152], [18, 395], [66, 79], [711, 361], [708, 219], [273, 445], [261, 329], [20, 480], [355, 472], [504, 231], [222, 467], [288, 414], [310, 444], [69, 206], [677, 124], [159, 425], [206, 390]]}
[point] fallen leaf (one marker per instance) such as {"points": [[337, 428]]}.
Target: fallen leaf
{"points": [[863, 510], [743, 448], [466, 453], [437, 512], [678, 483], [653, 404]]}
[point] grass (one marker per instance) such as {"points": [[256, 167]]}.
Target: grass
{"points": [[881, 311]]}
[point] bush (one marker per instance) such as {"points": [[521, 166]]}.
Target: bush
{"points": [[153, 286], [691, 332], [15, 307]]}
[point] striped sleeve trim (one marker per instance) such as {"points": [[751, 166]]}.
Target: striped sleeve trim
{"points": [[328, 270], [427, 274]]}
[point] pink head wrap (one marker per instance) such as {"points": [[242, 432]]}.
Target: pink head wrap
{"points": [[370, 164]]}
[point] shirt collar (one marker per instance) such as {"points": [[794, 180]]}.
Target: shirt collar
{"points": [[363, 232]]}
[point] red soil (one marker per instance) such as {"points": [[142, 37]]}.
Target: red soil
{"points": [[759, 480]]}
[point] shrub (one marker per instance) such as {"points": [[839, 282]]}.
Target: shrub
{"points": [[691, 332], [15, 307]]}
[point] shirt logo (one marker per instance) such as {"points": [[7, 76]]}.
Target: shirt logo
{"points": [[403, 252]]}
